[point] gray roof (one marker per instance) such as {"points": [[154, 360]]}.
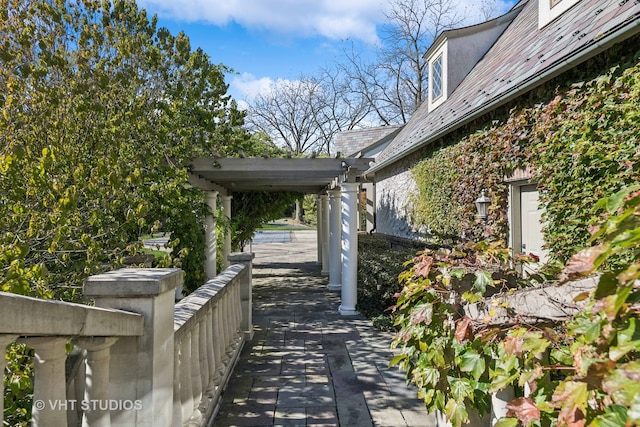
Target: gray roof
{"points": [[522, 58], [352, 141]]}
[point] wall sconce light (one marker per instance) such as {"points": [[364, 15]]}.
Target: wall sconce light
{"points": [[482, 205]]}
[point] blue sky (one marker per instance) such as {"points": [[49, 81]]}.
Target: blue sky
{"points": [[268, 40]]}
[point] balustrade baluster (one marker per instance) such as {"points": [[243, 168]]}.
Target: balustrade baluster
{"points": [[228, 322], [218, 336], [49, 387], [235, 308], [207, 342], [177, 384], [224, 308], [97, 379], [196, 374], [186, 391]]}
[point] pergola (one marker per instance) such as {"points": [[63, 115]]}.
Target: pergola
{"points": [[335, 183]]}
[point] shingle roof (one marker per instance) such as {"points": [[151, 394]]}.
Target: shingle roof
{"points": [[522, 54], [353, 141]]}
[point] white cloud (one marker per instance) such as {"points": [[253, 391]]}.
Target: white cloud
{"points": [[334, 19], [247, 86]]}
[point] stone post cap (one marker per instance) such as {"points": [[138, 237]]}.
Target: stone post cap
{"points": [[241, 256], [133, 282]]}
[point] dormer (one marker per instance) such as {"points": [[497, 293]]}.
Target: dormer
{"points": [[455, 52], [548, 10]]}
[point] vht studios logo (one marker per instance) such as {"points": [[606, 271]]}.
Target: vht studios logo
{"points": [[88, 405]]}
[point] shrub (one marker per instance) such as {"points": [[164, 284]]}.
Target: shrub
{"points": [[378, 268]]}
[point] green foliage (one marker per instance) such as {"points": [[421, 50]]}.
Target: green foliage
{"points": [[441, 351], [581, 141], [436, 205], [378, 268], [100, 110], [18, 385], [310, 208], [251, 210], [456, 362], [588, 140]]}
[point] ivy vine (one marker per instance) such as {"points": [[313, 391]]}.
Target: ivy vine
{"points": [[583, 371], [580, 136]]}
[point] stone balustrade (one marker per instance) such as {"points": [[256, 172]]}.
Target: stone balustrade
{"points": [[144, 360], [210, 326], [47, 326]]}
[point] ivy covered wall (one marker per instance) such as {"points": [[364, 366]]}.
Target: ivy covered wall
{"points": [[580, 133]]}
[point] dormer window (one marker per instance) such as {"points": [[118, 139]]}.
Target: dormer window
{"points": [[438, 75], [436, 78], [455, 52], [548, 10]]}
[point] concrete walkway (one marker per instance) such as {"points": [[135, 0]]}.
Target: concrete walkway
{"points": [[307, 365]]}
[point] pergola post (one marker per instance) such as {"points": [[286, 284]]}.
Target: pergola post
{"points": [[349, 249], [324, 200], [210, 235], [226, 210], [319, 228], [335, 241]]}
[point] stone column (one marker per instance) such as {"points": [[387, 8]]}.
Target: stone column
{"points": [[141, 367], [50, 403], [325, 234], [226, 209], [5, 340], [97, 379], [349, 248], [210, 235], [319, 228], [246, 301], [335, 241]]}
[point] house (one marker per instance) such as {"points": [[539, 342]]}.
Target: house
{"points": [[536, 108], [367, 143]]}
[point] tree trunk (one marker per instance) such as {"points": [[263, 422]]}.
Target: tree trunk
{"points": [[299, 214]]}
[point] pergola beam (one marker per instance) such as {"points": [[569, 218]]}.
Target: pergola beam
{"points": [[271, 174]]}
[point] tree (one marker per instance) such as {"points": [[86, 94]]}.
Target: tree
{"points": [[286, 113], [395, 84], [338, 109], [305, 115], [100, 111]]}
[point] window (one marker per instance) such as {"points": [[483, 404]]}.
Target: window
{"points": [[436, 78], [437, 58], [548, 10]]}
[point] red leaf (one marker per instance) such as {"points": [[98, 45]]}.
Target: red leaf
{"points": [[513, 345], [423, 266], [571, 397], [581, 264], [571, 419], [523, 409], [422, 313], [464, 330]]}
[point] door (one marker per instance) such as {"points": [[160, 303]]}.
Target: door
{"points": [[531, 237]]}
